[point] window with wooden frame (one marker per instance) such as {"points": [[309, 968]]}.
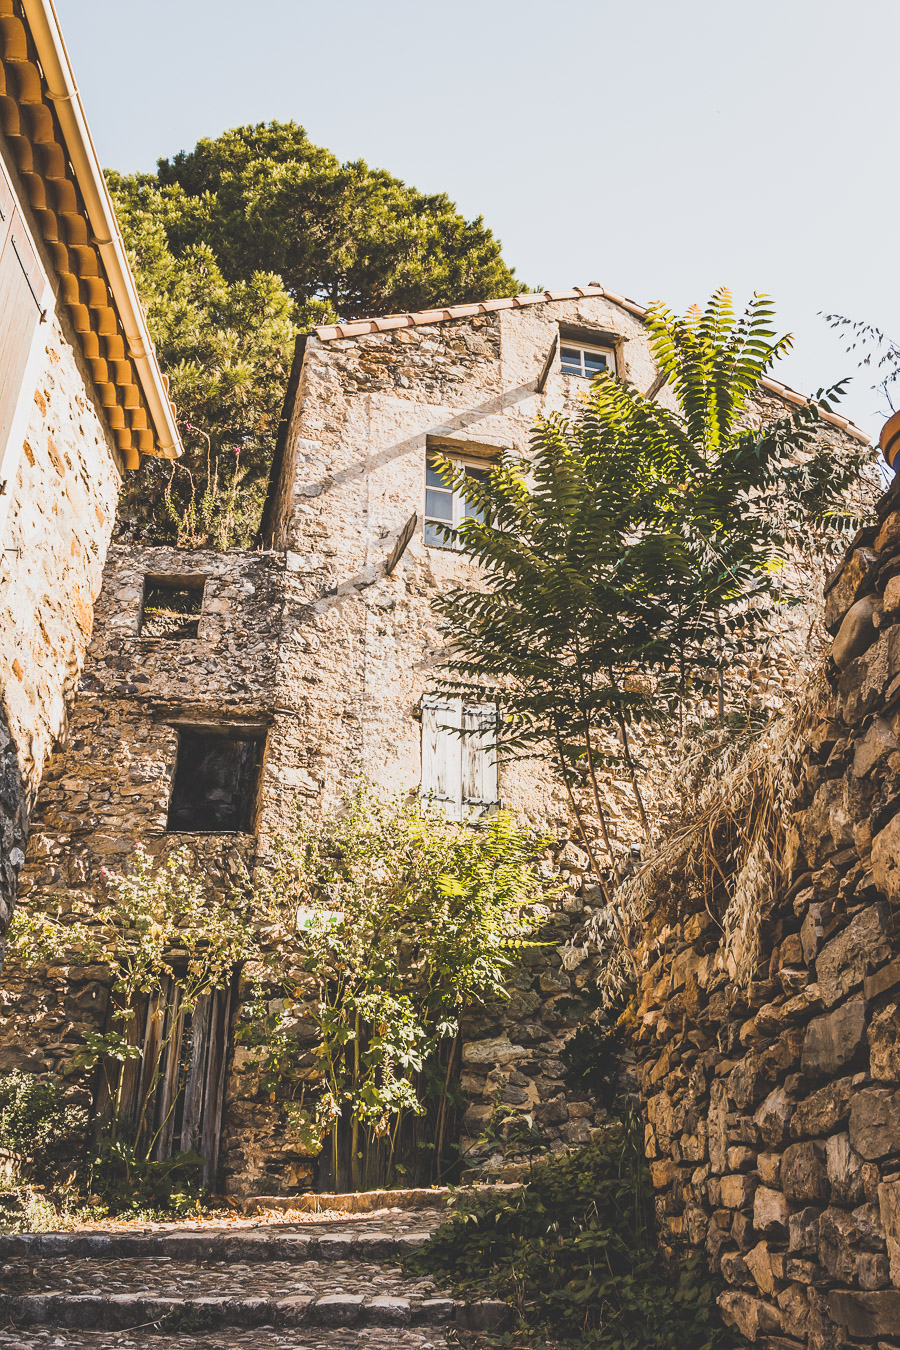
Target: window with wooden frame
{"points": [[576, 358], [447, 507], [459, 756]]}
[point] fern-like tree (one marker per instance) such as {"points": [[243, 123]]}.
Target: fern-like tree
{"points": [[640, 549]]}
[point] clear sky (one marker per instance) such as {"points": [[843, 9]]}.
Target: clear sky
{"points": [[660, 147]]}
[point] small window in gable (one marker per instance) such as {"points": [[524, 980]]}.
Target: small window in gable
{"points": [[216, 780], [459, 756], [577, 359], [447, 507], [172, 607]]}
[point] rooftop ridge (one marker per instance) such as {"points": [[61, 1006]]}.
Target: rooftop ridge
{"points": [[385, 323]]}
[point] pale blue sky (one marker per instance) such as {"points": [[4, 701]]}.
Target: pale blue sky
{"points": [[660, 147]]}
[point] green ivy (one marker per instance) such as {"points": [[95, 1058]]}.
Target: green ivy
{"points": [[575, 1253]]}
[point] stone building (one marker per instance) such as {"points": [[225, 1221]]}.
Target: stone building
{"points": [[81, 398], [368, 403], [221, 689]]}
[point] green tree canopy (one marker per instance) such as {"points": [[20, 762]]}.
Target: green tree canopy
{"points": [[238, 245], [346, 240]]}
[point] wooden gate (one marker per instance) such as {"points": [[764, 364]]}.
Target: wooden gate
{"points": [[170, 1099]]}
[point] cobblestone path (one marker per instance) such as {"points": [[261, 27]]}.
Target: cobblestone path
{"points": [[264, 1286]]}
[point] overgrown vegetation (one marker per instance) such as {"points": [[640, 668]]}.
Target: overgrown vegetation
{"points": [[376, 930], [238, 245], [41, 1131], [574, 1253], [167, 941], [410, 920], [727, 857], [639, 554]]}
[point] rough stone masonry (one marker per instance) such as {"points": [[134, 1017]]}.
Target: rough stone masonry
{"points": [[773, 1110], [315, 655]]}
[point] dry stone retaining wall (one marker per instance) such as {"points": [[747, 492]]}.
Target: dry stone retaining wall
{"points": [[773, 1110]]}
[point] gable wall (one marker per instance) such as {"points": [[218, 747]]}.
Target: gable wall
{"points": [[359, 649]]}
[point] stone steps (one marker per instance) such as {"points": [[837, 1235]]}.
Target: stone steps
{"points": [[231, 1338], [349, 1202], [364, 1202], [206, 1245], [121, 1312], [301, 1280]]}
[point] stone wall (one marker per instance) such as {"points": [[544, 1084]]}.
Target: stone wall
{"points": [[107, 788], [773, 1105], [54, 543], [360, 648]]}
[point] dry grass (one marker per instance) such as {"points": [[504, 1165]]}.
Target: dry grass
{"points": [[727, 855]]}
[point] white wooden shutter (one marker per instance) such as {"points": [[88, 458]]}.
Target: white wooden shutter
{"points": [[479, 756], [23, 293], [21, 283], [441, 760]]}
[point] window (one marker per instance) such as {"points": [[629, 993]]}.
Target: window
{"points": [[445, 506], [574, 359], [459, 757], [172, 607], [216, 780]]}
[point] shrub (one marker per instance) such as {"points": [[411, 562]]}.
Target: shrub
{"points": [[43, 1133], [574, 1252], [410, 920]]}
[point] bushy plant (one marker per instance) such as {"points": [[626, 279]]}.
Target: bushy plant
{"points": [[410, 920], [124, 1180], [42, 1132], [574, 1253]]}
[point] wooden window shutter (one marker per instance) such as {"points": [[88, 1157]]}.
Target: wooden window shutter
{"points": [[441, 760], [479, 755], [21, 286]]}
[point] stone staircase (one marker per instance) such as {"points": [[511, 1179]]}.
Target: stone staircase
{"points": [[317, 1282]]}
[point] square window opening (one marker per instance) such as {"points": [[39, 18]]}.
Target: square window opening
{"points": [[446, 507], [172, 607], [216, 782], [576, 358]]}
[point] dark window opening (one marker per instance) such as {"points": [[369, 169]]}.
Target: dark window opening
{"points": [[216, 780], [172, 607]]}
